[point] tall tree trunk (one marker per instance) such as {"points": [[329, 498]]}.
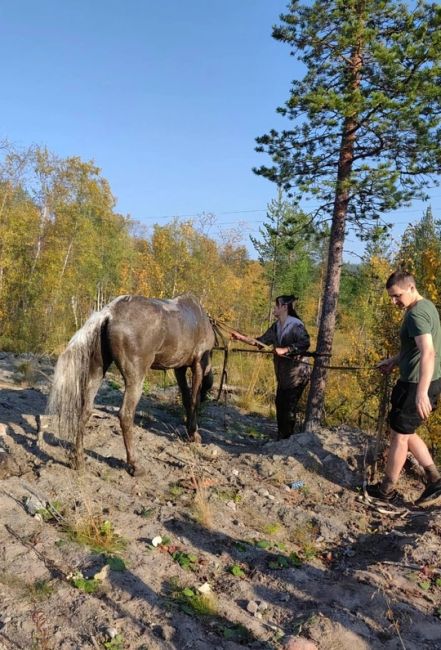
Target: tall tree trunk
{"points": [[325, 336], [316, 397]]}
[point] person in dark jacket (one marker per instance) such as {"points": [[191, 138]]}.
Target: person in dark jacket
{"points": [[290, 340]]}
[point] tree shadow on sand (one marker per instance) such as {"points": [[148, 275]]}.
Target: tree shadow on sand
{"points": [[356, 589]]}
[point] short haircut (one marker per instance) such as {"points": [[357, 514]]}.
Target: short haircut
{"points": [[399, 277]]}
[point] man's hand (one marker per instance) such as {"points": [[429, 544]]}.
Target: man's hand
{"points": [[387, 365], [423, 405], [238, 337]]}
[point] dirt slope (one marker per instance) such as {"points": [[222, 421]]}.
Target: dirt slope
{"points": [[276, 561]]}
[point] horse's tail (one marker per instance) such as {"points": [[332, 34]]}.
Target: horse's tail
{"points": [[71, 375]]}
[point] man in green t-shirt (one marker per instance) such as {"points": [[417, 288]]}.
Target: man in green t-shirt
{"points": [[416, 393]]}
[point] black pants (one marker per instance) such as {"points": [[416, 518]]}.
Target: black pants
{"points": [[286, 409], [403, 415]]}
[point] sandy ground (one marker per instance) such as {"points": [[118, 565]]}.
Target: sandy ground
{"points": [[271, 561]]}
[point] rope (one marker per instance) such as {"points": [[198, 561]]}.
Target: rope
{"points": [[303, 354], [265, 349]]}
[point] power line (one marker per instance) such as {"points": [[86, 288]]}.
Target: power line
{"points": [[310, 207], [204, 213]]}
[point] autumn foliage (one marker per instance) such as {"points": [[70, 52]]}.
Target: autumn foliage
{"points": [[65, 251]]}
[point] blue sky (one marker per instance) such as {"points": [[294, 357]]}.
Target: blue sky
{"points": [[165, 96]]}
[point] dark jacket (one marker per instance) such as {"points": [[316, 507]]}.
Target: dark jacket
{"points": [[290, 372]]}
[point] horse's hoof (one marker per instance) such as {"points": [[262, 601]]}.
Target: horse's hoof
{"points": [[136, 471], [195, 437]]}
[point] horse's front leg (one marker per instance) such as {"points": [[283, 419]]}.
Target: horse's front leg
{"points": [[187, 400], [132, 394], [197, 377]]}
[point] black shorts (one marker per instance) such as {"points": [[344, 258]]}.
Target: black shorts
{"points": [[403, 415]]}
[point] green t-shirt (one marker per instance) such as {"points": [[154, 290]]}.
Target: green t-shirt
{"points": [[422, 318]]}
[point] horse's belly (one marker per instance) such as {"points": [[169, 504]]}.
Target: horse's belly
{"points": [[167, 361]]}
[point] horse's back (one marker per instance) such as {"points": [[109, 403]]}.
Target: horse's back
{"points": [[159, 333]]}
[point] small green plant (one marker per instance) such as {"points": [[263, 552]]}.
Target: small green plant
{"points": [[237, 633], [278, 635], [40, 590], [117, 643], [254, 434], [144, 512], [115, 563], [281, 562], [272, 528], [53, 511], [237, 571], [264, 544], [309, 552], [112, 383], [295, 560], [229, 495], [98, 534], [185, 560], [175, 490], [88, 585], [192, 602]]}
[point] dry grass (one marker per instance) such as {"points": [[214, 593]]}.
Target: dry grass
{"points": [[304, 536], [83, 521], [97, 533], [202, 510], [26, 373]]}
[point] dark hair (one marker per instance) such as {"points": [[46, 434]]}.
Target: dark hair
{"points": [[399, 277], [288, 300]]}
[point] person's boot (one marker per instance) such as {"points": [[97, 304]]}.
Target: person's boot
{"points": [[377, 491], [431, 495]]}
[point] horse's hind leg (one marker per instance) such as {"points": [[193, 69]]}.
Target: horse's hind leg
{"points": [[190, 399], [96, 375], [132, 394]]}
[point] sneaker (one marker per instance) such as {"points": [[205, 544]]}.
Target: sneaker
{"points": [[431, 494], [377, 492]]}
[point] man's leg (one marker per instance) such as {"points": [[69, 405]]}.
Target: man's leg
{"points": [[403, 421], [400, 445], [397, 455], [419, 449], [432, 493]]}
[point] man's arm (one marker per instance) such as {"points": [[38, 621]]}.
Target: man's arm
{"points": [[424, 343]]}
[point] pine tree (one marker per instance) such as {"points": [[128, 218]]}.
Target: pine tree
{"points": [[365, 126], [286, 256]]}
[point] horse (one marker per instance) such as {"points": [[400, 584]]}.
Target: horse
{"points": [[136, 333]]}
